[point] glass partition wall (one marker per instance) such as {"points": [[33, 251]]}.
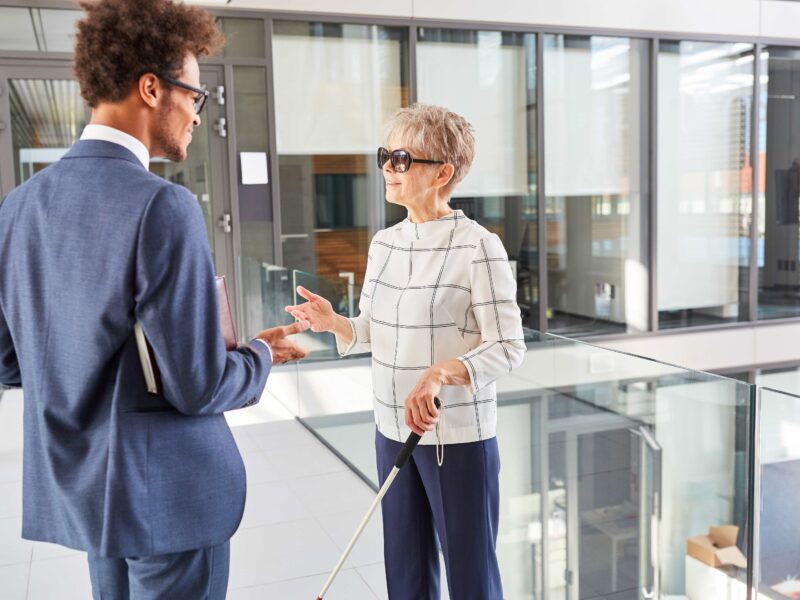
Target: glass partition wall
{"points": [[623, 174], [779, 185], [608, 105], [705, 200], [336, 84], [596, 107], [637, 152]]}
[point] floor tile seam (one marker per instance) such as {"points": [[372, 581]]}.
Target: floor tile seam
{"points": [[290, 580], [265, 525], [345, 470]]}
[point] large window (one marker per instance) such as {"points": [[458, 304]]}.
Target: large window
{"points": [[705, 94], [489, 77], [37, 29], [779, 185], [335, 87], [315, 203], [596, 180]]}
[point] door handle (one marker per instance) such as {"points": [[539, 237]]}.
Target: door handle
{"points": [[224, 222], [219, 95], [221, 127]]}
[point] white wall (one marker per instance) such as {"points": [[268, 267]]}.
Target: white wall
{"points": [[770, 18], [389, 8], [720, 349], [780, 19]]}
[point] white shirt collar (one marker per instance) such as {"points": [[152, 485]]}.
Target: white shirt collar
{"points": [[115, 136]]}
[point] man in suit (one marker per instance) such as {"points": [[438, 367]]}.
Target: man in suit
{"points": [[151, 486]]}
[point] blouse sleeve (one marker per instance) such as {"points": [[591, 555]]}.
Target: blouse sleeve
{"points": [[494, 305]]}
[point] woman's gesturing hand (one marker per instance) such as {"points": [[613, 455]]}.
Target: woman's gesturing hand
{"points": [[420, 411], [317, 311]]}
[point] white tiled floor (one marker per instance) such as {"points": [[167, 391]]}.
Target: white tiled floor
{"points": [[303, 505]]}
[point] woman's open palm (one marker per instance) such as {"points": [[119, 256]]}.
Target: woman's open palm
{"points": [[317, 311]]}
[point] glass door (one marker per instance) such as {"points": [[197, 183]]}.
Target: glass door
{"points": [[42, 114], [595, 459]]}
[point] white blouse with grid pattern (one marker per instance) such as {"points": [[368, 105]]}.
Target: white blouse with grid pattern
{"points": [[433, 292]]}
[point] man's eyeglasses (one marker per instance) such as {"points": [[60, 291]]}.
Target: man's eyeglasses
{"points": [[401, 159], [200, 97]]}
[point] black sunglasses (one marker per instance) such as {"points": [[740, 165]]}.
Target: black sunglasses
{"points": [[401, 159], [200, 97]]}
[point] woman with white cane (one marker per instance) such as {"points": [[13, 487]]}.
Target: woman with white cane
{"points": [[439, 314]]}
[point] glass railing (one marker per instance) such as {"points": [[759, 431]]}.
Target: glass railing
{"points": [[611, 463], [267, 289], [622, 477], [778, 484]]}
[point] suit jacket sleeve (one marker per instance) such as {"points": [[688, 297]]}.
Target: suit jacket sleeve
{"points": [[176, 304], [9, 365]]}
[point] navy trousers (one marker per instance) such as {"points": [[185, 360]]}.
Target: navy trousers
{"points": [[200, 574], [459, 502]]}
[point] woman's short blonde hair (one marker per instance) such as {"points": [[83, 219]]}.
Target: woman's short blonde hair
{"points": [[435, 133]]}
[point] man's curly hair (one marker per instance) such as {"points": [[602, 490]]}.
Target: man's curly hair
{"points": [[120, 40]]}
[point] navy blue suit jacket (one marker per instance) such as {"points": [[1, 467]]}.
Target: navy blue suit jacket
{"points": [[89, 246]]}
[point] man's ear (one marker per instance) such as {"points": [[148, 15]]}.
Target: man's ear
{"points": [[444, 175], [149, 88]]}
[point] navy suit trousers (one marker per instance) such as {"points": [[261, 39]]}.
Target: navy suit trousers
{"points": [[200, 574]]}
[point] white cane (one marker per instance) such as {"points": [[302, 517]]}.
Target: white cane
{"points": [[402, 458]]}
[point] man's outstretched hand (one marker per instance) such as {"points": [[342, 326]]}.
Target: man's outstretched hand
{"points": [[284, 349]]}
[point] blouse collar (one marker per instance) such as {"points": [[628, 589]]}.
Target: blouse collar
{"points": [[435, 227]]}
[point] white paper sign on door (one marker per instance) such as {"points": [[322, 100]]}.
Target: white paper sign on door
{"points": [[254, 168]]}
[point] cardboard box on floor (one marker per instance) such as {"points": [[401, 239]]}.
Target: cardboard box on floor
{"points": [[717, 548]]}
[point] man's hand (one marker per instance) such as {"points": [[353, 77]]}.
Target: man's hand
{"points": [[283, 349], [420, 411]]}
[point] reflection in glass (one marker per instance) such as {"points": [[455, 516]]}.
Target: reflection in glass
{"points": [[335, 87], [489, 77], [704, 182], [38, 29], [596, 99], [785, 379], [47, 116], [779, 187], [269, 288], [779, 469], [243, 37]]}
